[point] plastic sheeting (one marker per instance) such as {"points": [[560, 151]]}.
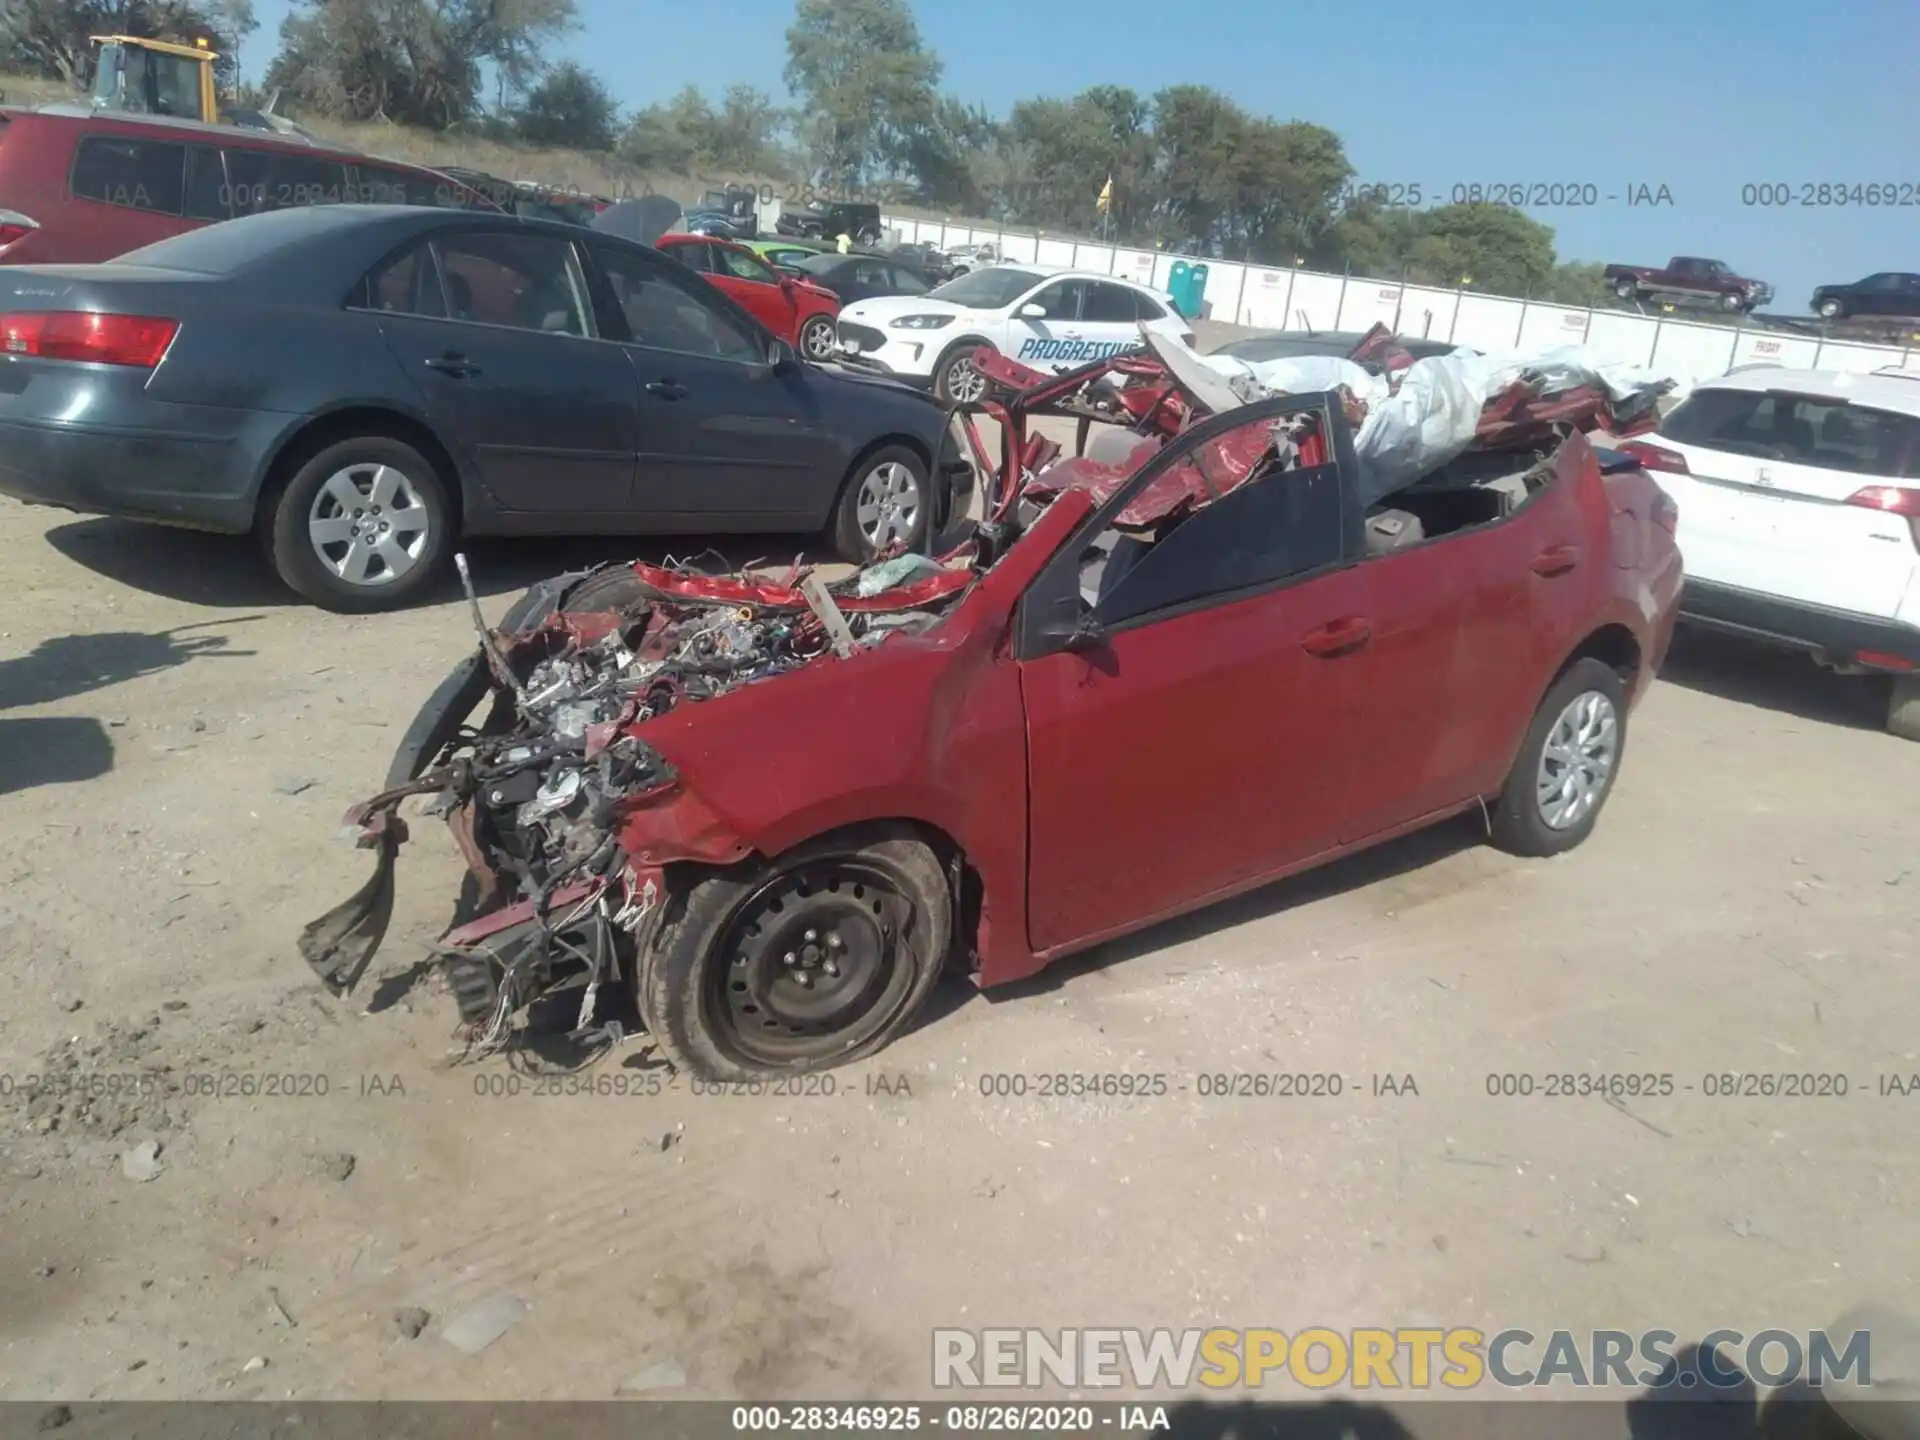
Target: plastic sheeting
{"points": [[1433, 414]]}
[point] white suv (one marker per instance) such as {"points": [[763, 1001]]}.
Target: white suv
{"points": [[1048, 319], [1799, 499]]}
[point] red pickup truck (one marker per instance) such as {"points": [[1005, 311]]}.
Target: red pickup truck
{"points": [[1689, 277]]}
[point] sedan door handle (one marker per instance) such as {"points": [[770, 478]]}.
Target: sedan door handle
{"points": [[1556, 561], [667, 389], [453, 364], [1338, 638]]}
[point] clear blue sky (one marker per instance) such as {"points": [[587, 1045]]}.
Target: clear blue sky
{"points": [[1702, 96]]}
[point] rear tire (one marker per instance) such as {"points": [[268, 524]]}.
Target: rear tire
{"points": [[1832, 310], [1626, 290], [1903, 709], [723, 1003], [370, 505], [1567, 765], [887, 497], [816, 339]]}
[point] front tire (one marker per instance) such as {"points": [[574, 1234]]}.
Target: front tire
{"points": [[1567, 765], [813, 961], [363, 526], [887, 499], [816, 339], [955, 381], [1734, 304]]}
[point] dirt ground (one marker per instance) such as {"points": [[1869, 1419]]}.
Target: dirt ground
{"points": [[178, 739]]}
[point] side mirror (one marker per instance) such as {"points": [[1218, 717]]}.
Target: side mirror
{"points": [[1033, 312], [780, 356], [1085, 633]]}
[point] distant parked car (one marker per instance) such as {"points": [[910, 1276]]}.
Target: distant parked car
{"points": [[785, 253], [536, 202], [1799, 498], [856, 220], [1892, 293], [799, 312], [1045, 318], [427, 374], [1297, 344], [927, 261], [78, 187], [1689, 277], [731, 214], [862, 277]]}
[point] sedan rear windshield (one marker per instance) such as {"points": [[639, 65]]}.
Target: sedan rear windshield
{"points": [[987, 289]]}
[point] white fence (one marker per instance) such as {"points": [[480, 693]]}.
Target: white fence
{"points": [[1268, 299]]}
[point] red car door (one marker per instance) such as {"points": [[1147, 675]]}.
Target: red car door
{"points": [[1469, 627], [742, 275], [1187, 698]]}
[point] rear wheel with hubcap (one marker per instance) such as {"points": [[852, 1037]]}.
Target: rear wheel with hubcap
{"points": [[885, 500], [1832, 310], [1567, 764], [812, 961], [816, 338], [364, 525]]}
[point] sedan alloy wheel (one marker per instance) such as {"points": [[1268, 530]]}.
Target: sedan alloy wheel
{"points": [[368, 525]]}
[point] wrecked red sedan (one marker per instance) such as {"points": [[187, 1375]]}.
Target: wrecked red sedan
{"points": [[1174, 668]]}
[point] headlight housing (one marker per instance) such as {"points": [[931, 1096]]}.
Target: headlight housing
{"points": [[920, 322]]}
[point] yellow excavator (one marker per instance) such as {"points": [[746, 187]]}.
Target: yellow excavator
{"points": [[140, 76]]}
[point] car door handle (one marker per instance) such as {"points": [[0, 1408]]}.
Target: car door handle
{"points": [[1338, 638], [667, 389], [453, 364], [1555, 561]]}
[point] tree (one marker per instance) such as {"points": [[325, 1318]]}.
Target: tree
{"points": [[867, 85], [571, 109], [1066, 149], [741, 138], [419, 62], [1498, 247]]}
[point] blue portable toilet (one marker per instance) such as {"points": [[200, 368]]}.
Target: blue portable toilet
{"points": [[1179, 281], [1196, 292]]}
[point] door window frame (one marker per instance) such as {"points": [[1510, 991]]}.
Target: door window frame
{"points": [[1054, 597], [612, 318], [586, 297]]}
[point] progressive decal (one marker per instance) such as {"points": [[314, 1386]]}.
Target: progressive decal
{"points": [[1080, 350]]}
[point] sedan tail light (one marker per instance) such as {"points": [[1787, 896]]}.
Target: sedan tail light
{"points": [[15, 227], [1656, 457], [138, 340], [1894, 500]]}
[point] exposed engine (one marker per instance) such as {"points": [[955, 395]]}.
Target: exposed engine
{"points": [[534, 796]]}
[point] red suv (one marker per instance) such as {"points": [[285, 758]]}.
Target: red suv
{"points": [[77, 187], [800, 313]]}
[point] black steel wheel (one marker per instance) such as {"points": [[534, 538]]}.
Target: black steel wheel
{"points": [[810, 962]]}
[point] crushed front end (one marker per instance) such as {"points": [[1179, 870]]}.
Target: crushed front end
{"points": [[536, 794]]}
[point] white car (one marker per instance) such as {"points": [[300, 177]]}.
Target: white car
{"points": [[1799, 500], [1047, 319]]}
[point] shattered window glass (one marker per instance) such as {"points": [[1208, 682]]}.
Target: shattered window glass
{"points": [[1231, 514]]}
